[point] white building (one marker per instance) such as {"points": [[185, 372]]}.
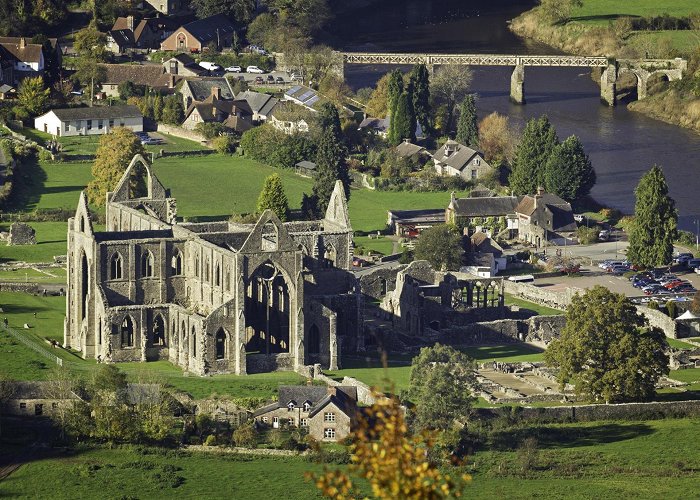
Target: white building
{"points": [[89, 121]]}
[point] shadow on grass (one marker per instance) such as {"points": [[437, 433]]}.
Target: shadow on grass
{"points": [[678, 396], [568, 437], [29, 184], [605, 17]]}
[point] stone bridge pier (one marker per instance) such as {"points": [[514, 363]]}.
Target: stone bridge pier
{"points": [[643, 70], [517, 84]]}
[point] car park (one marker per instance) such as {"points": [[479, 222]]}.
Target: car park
{"points": [[253, 69], [682, 258], [233, 69]]}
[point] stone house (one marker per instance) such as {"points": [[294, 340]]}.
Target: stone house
{"points": [[199, 89], [329, 413], [380, 126], [26, 59], [94, 120], [197, 35], [409, 150], [150, 76], [291, 118], [211, 297], [485, 258], [545, 218], [455, 159], [127, 34], [183, 65], [262, 105], [483, 213], [170, 7], [36, 399], [233, 114]]}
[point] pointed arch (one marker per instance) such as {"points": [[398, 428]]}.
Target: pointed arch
{"points": [[176, 263], [127, 332], [193, 341], [313, 345], [116, 266], [147, 264], [158, 331], [221, 344], [217, 275], [84, 285]]}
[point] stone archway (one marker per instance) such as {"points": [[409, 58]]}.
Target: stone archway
{"points": [[268, 317]]}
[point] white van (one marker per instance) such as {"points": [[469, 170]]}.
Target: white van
{"points": [[209, 66], [523, 278]]}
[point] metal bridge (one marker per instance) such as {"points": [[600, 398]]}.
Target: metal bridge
{"points": [[474, 60]]}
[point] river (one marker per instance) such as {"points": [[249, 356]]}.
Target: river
{"points": [[622, 145]]}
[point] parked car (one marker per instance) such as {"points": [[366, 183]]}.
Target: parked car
{"points": [[296, 77], [697, 270], [253, 69], [693, 263], [682, 258], [279, 80], [233, 69], [604, 235], [270, 79], [618, 270], [209, 66], [259, 80]]}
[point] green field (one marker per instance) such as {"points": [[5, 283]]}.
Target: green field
{"points": [[51, 275], [604, 10], [573, 461], [531, 306], [50, 241]]}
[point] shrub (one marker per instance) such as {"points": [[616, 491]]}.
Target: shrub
{"points": [[210, 440], [587, 235], [245, 436], [211, 130], [225, 144]]}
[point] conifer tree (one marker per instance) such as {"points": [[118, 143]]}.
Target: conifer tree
{"points": [[330, 166], [114, 152], [273, 197], [655, 222], [394, 90], [467, 129], [537, 144], [568, 172], [420, 82], [403, 120], [158, 107]]}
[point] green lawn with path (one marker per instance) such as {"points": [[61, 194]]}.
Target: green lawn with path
{"points": [[46, 275]]}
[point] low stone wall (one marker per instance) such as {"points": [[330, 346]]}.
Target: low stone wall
{"points": [[19, 287], [233, 450], [535, 329], [180, 132], [660, 320], [365, 395], [527, 291], [585, 413]]}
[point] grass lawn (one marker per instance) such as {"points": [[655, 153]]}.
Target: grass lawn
{"points": [[382, 245], [689, 375], [50, 239], [52, 275], [679, 344], [531, 306], [601, 11]]}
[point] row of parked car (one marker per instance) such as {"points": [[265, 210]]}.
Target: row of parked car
{"points": [[689, 260], [659, 282], [616, 267], [147, 139]]}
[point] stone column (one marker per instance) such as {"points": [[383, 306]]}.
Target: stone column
{"points": [[338, 65], [642, 79], [239, 337], [608, 84], [517, 84], [333, 343]]}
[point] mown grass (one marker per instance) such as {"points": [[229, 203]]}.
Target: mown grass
{"points": [[50, 241], [679, 344], [382, 245], [531, 306], [601, 11], [51, 275]]}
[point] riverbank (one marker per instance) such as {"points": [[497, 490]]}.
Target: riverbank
{"points": [[594, 29]]}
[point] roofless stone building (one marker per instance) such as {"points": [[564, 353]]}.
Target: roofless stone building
{"points": [[217, 297]]}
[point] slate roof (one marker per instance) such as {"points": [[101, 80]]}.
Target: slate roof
{"points": [[205, 30], [30, 53], [200, 88], [306, 165], [408, 149], [259, 103], [139, 74], [461, 155], [482, 243], [16, 40], [436, 215], [123, 38], [481, 191], [184, 59], [97, 112], [549, 211], [495, 206], [345, 398]]}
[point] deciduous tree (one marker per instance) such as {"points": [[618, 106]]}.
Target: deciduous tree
{"points": [[608, 350], [240, 10], [496, 139], [538, 141], [273, 197], [441, 245], [440, 385], [449, 86], [32, 95], [568, 172], [114, 152], [557, 11], [655, 222], [378, 104], [467, 130]]}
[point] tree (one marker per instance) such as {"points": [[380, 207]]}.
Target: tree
{"points": [[496, 138], [378, 104], [32, 95], [240, 10], [330, 167], [420, 82], [90, 46], [329, 119], [440, 245], [394, 89], [244, 436], [450, 85], [158, 107], [568, 172], [538, 141], [173, 112], [655, 222], [7, 389], [114, 152], [403, 120], [440, 385], [467, 131], [608, 350], [273, 197], [558, 11]]}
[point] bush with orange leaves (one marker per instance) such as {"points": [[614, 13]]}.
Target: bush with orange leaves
{"points": [[394, 462]]}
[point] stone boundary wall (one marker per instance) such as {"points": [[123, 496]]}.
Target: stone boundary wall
{"points": [[584, 413], [527, 291], [535, 329], [180, 132], [27, 287], [364, 392], [660, 320], [234, 450]]}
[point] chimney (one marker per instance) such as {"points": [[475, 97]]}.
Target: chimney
{"points": [[22, 42], [171, 81], [216, 92], [130, 22], [540, 192], [332, 390], [407, 141]]}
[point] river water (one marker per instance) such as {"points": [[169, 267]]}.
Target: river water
{"points": [[622, 145]]}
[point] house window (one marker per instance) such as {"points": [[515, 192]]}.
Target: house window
{"points": [[23, 406], [89, 124], [304, 422], [477, 161], [54, 405], [474, 174], [291, 405], [290, 421], [307, 406], [38, 409], [100, 124], [329, 417], [265, 419], [66, 126], [111, 123], [328, 433]]}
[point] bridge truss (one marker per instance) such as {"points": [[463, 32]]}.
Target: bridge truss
{"points": [[474, 60]]}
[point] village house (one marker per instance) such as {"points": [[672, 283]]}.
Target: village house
{"points": [[291, 118], [36, 399], [455, 159], [302, 96], [235, 115], [410, 223], [199, 89], [409, 150], [89, 120], [21, 58], [146, 76], [199, 34], [485, 258], [329, 413], [262, 105], [183, 65], [380, 126], [148, 33], [545, 218], [484, 213], [170, 7]]}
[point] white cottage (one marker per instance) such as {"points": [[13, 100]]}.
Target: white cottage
{"points": [[89, 120]]}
